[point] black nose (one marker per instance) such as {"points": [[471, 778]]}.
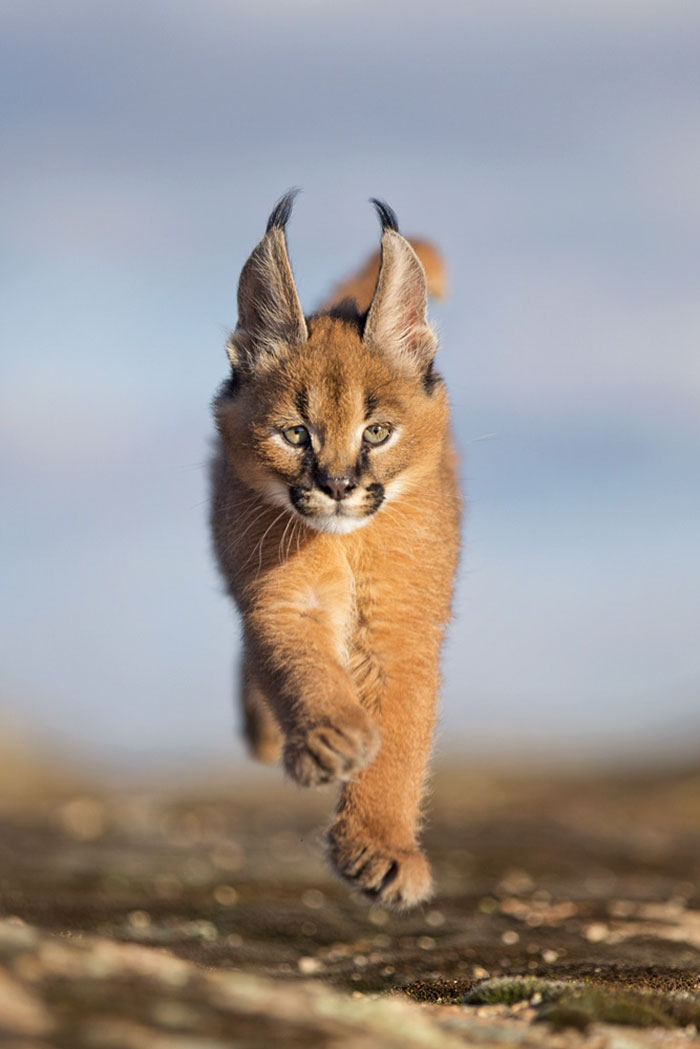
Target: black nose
{"points": [[337, 487]]}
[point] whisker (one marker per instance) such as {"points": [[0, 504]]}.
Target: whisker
{"points": [[252, 523], [193, 466], [295, 525], [259, 547], [233, 527], [284, 536]]}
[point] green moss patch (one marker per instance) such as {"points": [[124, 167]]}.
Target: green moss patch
{"points": [[635, 1008], [575, 1004], [508, 990]]}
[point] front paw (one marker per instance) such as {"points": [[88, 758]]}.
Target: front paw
{"points": [[333, 749], [394, 877]]}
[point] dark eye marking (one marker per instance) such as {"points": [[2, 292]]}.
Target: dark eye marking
{"points": [[362, 460], [301, 401], [371, 404]]}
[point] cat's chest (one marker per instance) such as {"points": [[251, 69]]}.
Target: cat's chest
{"points": [[379, 574]]}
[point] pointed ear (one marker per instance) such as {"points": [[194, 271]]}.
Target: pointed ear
{"points": [[270, 317], [397, 322]]}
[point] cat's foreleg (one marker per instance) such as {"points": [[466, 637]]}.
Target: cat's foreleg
{"points": [[373, 841], [295, 645]]}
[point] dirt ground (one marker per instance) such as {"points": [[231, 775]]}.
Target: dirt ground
{"points": [[202, 916]]}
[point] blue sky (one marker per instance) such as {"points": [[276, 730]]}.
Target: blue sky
{"points": [[553, 151]]}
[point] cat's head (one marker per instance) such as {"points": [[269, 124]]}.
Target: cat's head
{"points": [[335, 415]]}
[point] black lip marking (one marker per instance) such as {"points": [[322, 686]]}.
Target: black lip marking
{"points": [[297, 496], [376, 493]]}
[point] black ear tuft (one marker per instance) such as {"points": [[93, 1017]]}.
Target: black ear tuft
{"points": [[387, 215], [281, 212]]}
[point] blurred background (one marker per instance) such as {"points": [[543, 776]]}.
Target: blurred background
{"points": [[551, 150]]}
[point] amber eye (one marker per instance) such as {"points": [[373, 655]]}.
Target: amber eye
{"points": [[296, 435], [377, 433]]}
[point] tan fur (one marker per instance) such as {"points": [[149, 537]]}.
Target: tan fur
{"points": [[342, 632], [360, 286]]}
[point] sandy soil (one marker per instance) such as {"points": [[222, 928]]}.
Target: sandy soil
{"points": [[204, 917]]}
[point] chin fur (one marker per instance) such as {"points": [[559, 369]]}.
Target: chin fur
{"points": [[332, 524], [335, 524]]}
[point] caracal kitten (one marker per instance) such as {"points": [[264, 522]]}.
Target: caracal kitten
{"points": [[335, 516]]}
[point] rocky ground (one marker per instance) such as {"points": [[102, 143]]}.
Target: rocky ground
{"points": [[203, 917]]}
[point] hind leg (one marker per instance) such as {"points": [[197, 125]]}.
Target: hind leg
{"points": [[260, 729]]}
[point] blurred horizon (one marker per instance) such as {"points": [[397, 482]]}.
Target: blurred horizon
{"points": [[551, 152]]}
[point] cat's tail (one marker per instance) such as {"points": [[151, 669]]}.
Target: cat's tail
{"points": [[360, 285]]}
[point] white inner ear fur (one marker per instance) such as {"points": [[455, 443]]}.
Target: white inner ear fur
{"points": [[276, 302], [270, 317], [397, 322]]}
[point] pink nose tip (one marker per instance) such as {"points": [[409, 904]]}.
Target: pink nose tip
{"points": [[337, 487]]}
